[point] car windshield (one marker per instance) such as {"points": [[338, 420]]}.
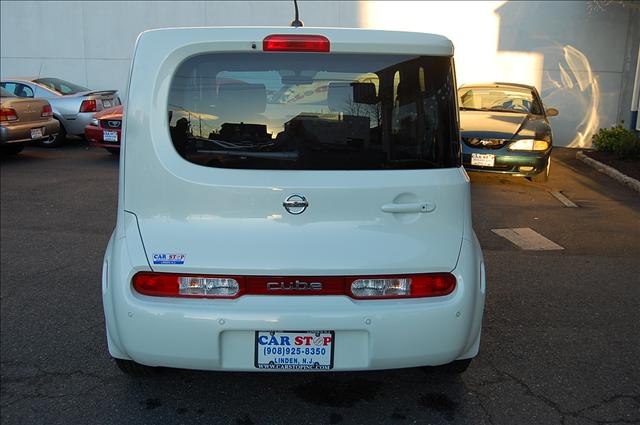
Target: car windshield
{"points": [[6, 93], [61, 86], [314, 111], [512, 99]]}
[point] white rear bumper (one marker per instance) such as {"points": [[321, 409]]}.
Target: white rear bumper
{"points": [[375, 334]]}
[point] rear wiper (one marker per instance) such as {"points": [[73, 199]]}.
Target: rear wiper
{"points": [[240, 144], [507, 110], [283, 156]]}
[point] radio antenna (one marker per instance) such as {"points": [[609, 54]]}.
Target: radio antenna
{"points": [[296, 22]]}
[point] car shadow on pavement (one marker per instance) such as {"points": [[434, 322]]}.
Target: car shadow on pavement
{"points": [[415, 395]]}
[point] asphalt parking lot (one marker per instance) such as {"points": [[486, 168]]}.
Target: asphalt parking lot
{"points": [[561, 334]]}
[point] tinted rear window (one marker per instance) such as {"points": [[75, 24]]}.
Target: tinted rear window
{"points": [[310, 111]]}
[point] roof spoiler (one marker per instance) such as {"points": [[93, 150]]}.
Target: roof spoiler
{"points": [[107, 92]]}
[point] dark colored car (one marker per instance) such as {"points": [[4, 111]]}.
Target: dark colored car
{"points": [[505, 130], [23, 121], [104, 131]]}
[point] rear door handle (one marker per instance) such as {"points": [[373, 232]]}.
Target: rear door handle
{"points": [[414, 207]]}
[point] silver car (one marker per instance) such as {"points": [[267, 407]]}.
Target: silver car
{"points": [[73, 105]]}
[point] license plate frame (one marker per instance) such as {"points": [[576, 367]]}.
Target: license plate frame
{"points": [[37, 133], [483, 159], [300, 357], [110, 136]]}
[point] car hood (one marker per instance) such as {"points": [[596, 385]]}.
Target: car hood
{"points": [[498, 125], [114, 113]]}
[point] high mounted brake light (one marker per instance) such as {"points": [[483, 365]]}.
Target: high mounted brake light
{"points": [[296, 43], [357, 287]]}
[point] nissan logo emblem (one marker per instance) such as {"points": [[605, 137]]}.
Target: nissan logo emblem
{"points": [[295, 204]]}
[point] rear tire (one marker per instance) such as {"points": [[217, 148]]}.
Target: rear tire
{"points": [[55, 141], [131, 368], [543, 177], [12, 149]]}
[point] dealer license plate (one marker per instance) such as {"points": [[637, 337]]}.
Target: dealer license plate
{"points": [[483, 159], [110, 136], [37, 133], [294, 350]]}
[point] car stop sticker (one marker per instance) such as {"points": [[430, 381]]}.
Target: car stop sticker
{"points": [[168, 258]]}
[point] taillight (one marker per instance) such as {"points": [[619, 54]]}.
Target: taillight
{"points": [[295, 43], [413, 286], [88, 106], [193, 286], [8, 114], [47, 111], [357, 287]]}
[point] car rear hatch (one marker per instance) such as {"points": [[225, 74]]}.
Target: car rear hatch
{"points": [[242, 227], [295, 163]]}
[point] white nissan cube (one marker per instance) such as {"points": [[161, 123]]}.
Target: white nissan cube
{"points": [[292, 199]]}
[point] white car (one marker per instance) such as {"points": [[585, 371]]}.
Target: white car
{"points": [[292, 199]]}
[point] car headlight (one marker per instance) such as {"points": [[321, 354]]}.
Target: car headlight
{"points": [[529, 145], [95, 122]]}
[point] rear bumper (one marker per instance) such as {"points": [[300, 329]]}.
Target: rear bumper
{"points": [[76, 124], [508, 162], [220, 334], [95, 137], [21, 132]]}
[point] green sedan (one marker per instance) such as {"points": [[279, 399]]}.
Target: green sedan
{"points": [[505, 129]]}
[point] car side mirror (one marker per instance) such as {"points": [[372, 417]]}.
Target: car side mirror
{"points": [[552, 112]]}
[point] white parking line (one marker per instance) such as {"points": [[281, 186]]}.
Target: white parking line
{"points": [[566, 201], [527, 238]]}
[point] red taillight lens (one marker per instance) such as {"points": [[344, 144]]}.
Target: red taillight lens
{"points": [[295, 43], [47, 111], [8, 114], [88, 106], [187, 285], [358, 287], [411, 286]]}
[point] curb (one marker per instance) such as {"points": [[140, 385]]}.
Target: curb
{"points": [[610, 171]]}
